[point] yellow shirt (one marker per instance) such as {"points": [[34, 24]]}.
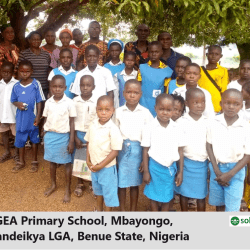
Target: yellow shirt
{"points": [[161, 66], [220, 76]]}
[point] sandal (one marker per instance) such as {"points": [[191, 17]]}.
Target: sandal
{"points": [[16, 158], [5, 157], [79, 190], [34, 167], [19, 166]]}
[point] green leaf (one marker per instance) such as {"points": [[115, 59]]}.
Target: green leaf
{"points": [[21, 4], [216, 6], [146, 5]]}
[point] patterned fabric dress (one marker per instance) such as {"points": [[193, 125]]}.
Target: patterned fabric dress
{"points": [[9, 55]]}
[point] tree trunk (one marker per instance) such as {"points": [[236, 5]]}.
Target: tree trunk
{"points": [[244, 50]]}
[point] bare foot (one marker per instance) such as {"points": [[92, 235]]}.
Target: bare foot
{"points": [[49, 191], [67, 196]]}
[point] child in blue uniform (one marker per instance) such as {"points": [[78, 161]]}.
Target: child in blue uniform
{"points": [[153, 75], [194, 125], [128, 73], [131, 119], [59, 113], [162, 143], [65, 70], [27, 96], [180, 66], [228, 147], [86, 112], [104, 142]]}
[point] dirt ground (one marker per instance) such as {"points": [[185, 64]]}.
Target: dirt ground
{"points": [[23, 191]]}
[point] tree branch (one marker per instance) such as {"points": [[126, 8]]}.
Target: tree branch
{"points": [[35, 5]]}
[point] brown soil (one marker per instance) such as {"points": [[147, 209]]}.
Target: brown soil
{"points": [[23, 191]]}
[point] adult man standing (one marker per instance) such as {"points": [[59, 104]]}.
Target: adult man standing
{"points": [[140, 47]]}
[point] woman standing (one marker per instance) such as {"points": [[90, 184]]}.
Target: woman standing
{"points": [[39, 58], [8, 51], [50, 38], [65, 38]]}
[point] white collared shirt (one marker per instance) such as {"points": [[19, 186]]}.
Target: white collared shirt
{"points": [[103, 81], [102, 140], [60, 68], [245, 113], [131, 123], [58, 114], [230, 143], [86, 113], [112, 64], [163, 142], [7, 109], [234, 85], [195, 133], [209, 109]]}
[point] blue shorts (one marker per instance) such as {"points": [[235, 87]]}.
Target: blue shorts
{"points": [[129, 161], [161, 185], [105, 183], [194, 184], [229, 196], [22, 137]]}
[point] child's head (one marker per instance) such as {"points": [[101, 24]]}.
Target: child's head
{"points": [[214, 54], [231, 102], [87, 85], [245, 69], [165, 39], [130, 59], [58, 86], [7, 71], [25, 69], [92, 55], [246, 91], [180, 66], [77, 36], [164, 107], [105, 108], [50, 36], [115, 48], [94, 29], [155, 51], [195, 101], [132, 92], [66, 58], [179, 106], [192, 74]]}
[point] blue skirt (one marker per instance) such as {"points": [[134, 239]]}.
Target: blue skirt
{"points": [[161, 186], [55, 147], [129, 161], [194, 184]]}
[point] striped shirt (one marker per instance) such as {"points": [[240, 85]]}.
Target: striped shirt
{"points": [[40, 64]]}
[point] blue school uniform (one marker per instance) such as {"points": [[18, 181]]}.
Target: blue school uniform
{"points": [[114, 68], [70, 78], [30, 94], [161, 185], [129, 161], [152, 85], [121, 81], [172, 86]]}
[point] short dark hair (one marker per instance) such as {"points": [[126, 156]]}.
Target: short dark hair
{"points": [[49, 29], [163, 32], [32, 33], [94, 22], [194, 65], [184, 58], [181, 100], [105, 98], [155, 43], [232, 91], [27, 63], [191, 92], [8, 64], [129, 53], [163, 96], [76, 30], [214, 47], [115, 43], [243, 61], [132, 81], [58, 77], [87, 76], [66, 50], [92, 47]]}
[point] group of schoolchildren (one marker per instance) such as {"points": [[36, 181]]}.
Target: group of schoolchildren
{"points": [[138, 127]]}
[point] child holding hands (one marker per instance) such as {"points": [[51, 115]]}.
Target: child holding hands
{"points": [[104, 142], [160, 136], [59, 113], [131, 119], [27, 96], [228, 147]]}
